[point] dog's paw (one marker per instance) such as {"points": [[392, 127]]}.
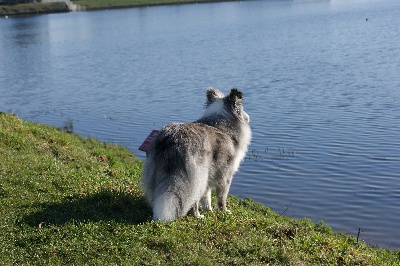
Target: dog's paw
{"points": [[228, 212], [200, 216]]}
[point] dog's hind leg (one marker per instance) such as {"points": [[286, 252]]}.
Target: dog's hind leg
{"points": [[206, 200], [195, 211]]}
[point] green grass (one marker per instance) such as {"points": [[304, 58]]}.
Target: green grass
{"points": [[60, 204], [33, 8]]}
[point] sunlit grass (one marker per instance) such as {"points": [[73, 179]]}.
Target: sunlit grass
{"points": [[68, 200]]}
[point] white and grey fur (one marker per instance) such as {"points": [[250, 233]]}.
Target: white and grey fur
{"points": [[188, 160]]}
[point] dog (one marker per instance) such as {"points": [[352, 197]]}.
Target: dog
{"points": [[186, 161]]}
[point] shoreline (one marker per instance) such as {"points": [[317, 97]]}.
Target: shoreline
{"points": [[19, 10], [172, 3]]}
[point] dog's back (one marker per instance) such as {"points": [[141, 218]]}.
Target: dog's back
{"points": [[186, 160]]}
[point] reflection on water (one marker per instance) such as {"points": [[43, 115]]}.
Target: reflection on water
{"points": [[320, 84]]}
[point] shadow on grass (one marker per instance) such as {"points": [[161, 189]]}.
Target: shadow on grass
{"points": [[106, 205]]}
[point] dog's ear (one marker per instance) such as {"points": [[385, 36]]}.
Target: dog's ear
{"points": [[213, 94], [236, 96]]}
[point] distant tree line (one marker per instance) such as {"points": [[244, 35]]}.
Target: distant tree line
{"points": [[14, 2]]}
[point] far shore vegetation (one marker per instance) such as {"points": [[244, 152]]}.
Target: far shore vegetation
{"points": [[110, 4], [70, 200], [30, 7]]}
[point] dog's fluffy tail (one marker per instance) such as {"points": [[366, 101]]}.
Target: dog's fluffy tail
{"points": [[165, 207], [160, 192]]}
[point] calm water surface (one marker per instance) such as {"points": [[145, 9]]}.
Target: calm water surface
{"points": [[321, 81]]}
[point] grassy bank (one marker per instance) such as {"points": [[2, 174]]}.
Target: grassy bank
{"points": [[33, 8], [68, 200]]}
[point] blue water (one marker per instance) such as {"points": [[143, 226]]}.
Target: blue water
{"points": [[321, 81]]}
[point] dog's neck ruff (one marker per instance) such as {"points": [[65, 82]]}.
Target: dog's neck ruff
{"points": [[215, 109]]}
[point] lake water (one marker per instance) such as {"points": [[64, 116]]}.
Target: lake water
{"points": [[321, 81]]}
